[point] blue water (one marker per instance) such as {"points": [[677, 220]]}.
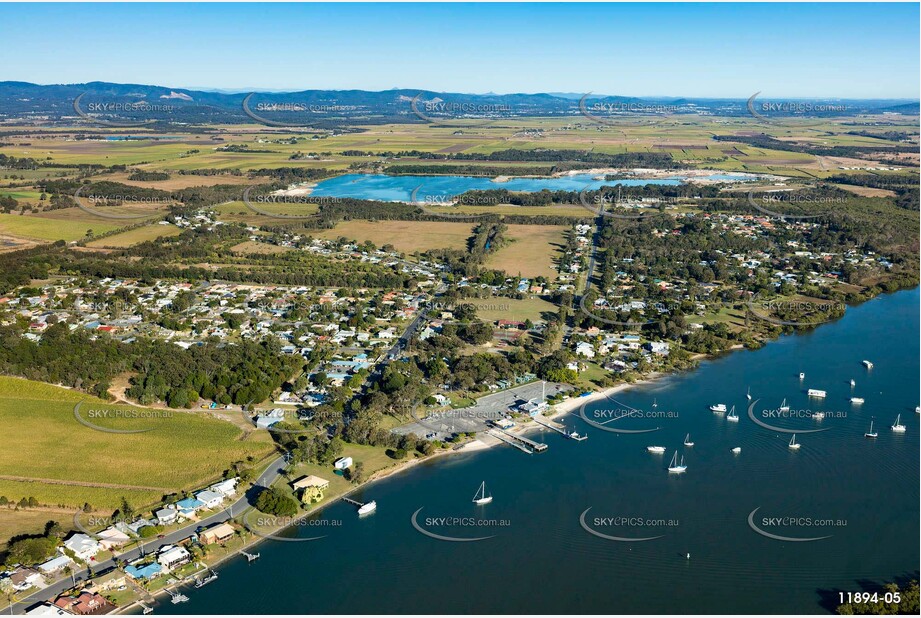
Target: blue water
{"points": [[400, 188], [545, 562]]}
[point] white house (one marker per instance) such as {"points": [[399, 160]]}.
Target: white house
{"points": [[211, 499], [172, 556], [84, 546], [55, 564], [226, 488], [112, 537], [343, 463], [166, 516], [585, 349]]}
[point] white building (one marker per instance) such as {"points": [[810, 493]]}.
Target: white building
{"points": [[172, 556], [211, 499], [226, 488], [84, 546], [343, 463]]}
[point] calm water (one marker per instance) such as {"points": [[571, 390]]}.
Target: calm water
{"points": [[545, 562], [400, 188]]}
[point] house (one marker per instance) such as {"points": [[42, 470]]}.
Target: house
{"points": [[266, 420], [87, 603], [217, 533], [139, 523], [147, 571], [24, 578], [343, 463], [172, 556], [188, 506], [226, 488], [55, 564], [83, 545], [310, 481], [112, 537], [166, 516], [533, 408], [657, 347], [210, 499], [585, 349]]}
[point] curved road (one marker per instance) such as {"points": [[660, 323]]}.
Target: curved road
{"points": [[272, 472]]}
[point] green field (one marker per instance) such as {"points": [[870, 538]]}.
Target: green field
{"points": [[493, 309], [48, 454], [135, 236], [531, 250], [46, 228]]}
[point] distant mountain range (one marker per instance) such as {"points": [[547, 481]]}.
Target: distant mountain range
{"points": [[134, 103]]}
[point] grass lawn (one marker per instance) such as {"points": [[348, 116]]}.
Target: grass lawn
{"points": [[492, 309], [136, 236], [532, 252], [50, 455], [406, 236], [47, 228]]}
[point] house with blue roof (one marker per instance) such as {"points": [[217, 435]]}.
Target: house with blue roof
{"points": [[188, 506], [148, 571]]}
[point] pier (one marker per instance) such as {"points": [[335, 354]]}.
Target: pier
{"points": [[572, 435], [519, 442], [250, 557], [355, 502]]}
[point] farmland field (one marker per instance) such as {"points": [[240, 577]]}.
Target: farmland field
{"points": [[135, 236], [406, 236], [41, 227], [532, 252], [50, 455]]}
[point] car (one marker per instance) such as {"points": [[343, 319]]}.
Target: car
{"points": [[161, 536]]}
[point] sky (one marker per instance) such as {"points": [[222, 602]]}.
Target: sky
{"points": [[724, 50]]}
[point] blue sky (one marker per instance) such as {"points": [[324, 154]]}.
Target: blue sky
{"points": [[718, 50]]}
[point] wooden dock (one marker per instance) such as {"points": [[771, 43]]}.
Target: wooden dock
{"points": [[520, 442]]}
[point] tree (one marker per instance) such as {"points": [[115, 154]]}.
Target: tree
{"points": [[274, 502]]}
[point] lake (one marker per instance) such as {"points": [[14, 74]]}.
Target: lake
{"points": [[862, 494], [400, 188]]}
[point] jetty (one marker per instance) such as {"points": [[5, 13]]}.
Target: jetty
{"points": [[572, 435], [250, 557], [520, 442], [177, 597], [146, 608]]}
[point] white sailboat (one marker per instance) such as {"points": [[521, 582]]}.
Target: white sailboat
{"points": [[867, 364], [736, 450], [802, 376], [654, 403], [732, 417], [871, 433], [687, 440], [818, 416], [676, 467], [853, 383], [480, 498], [783, 406], [793, 445], [748, 395], [897, 426], [718, 407]]}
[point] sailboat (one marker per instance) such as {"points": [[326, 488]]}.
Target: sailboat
{"points": [[687, 440], [783, 406], [871, 433], [898, 427], [674, 466], [748, 395], [654, 403], [480, 498], [732, 416], [853, 383], [793, 445], [802, 376]]}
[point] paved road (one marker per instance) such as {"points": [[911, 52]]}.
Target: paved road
{"points": [[272, 472], [488, 407]]}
